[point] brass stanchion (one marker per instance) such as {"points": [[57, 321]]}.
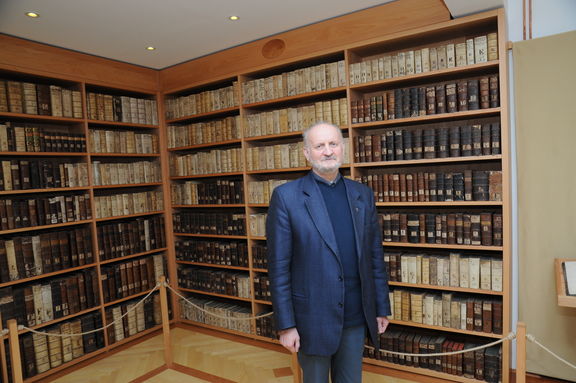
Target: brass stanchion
{"points": [[165, 323], [521, 352], [15, 351]]}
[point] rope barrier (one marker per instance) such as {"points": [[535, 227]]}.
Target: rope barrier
{"points": [[510, 336], [22, 327], [213, 314], [532, 339]]}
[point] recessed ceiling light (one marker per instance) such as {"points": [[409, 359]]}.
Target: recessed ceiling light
{"points": [[150, 48], [32, 14], [234, 18]]}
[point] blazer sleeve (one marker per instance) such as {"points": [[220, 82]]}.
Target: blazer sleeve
{"points": [[279, 244], [379, 268]]}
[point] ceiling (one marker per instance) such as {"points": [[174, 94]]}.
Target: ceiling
{"points": [[180, 30]]}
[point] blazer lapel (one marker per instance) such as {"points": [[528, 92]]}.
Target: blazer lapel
{"points": [[358, 210], [318, 213]]}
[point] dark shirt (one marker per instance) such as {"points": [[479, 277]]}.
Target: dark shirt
{"points": [[336, 200]]}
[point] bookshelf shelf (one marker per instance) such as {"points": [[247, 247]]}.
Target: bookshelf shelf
{"points": [[447, 203], [50, 190], [215, 294], [445, 288], [214, 114], [211, 236], [155, 155], [127, 185], [44, 154], [120, 124], [300, 97], [44, 227], [285, 170], [65, 318], [124, 299], [273, 136], [447, 329], [428, 161], [443, 246], [180, 262], [106, 219], [37, 117], [47, 275], [432, 75], [114, 260], [213, 175], [215, 206], [430, 118], [206, 145]]}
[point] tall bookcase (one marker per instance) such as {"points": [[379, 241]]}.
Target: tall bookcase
{"points": [[463, 142], [82, 235]]}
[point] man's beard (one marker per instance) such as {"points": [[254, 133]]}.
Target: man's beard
{"points": [[322, 166]]}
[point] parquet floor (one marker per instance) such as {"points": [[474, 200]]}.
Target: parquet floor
{"points": [[216, 359]]}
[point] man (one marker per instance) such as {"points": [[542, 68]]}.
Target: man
{"points": [[325, 262]]}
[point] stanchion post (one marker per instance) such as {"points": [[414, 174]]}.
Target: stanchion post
{"points": [[521, 352], [165, 323], [15, 351], [296, 369], [3, 357]]}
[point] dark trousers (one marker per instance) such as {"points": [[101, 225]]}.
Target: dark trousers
{"points": [[345, 366]]}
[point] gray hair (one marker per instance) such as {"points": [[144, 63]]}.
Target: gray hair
{"points": [[319, 123]]}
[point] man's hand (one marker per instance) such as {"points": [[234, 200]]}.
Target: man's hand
{"points": [[290, 339], [382, 324]]}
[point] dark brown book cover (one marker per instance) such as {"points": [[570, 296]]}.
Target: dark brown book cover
{"points": [[43, 98], [430, 100], [82, 296], [451, 98], [484, 93], [486, 227], [494, 92], [462, 89], [15, 96]]}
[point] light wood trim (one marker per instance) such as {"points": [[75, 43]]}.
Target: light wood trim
{"points": [[423, 375], [15, 358], [150, 374], [106, 219], [35, 191], [446, 288], [45, 154], [42, 60], [206, 145], [126, 257], [563, 299], [63, 319], [118, 124], [212, 265], [445, 203], [210, 175], [213, 114], [520, 352], [95, 154], [211, 236], [38, 117], [215, 294], [240, 205], [303, 97], [124, 299], [311, 41], [168, 359], [95, 187]]}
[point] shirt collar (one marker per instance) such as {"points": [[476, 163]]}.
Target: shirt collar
{"points": [[326, 182]]}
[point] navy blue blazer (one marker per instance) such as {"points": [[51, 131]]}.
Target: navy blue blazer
{"points": [[306, 276]]}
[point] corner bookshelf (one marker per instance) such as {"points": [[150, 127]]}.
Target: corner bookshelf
{"points": [[53, 247], [275, 103]]}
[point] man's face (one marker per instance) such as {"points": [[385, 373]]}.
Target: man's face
{"points": [[324, 149]]}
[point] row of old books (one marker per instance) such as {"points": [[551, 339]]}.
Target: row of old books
{"points": [[210, 223], [261, 191], [35, 138], [128, 203], [478, 185], [266, 326], [120, 239], [41, 99], [453, 270], [209, 162], [32, 255], [34, 304], [287, 120], [483, 364], [257, 224], [42, 174], [227, 253], [476, 229], [122, 141], [449, 97], [17, 213], [259, 256], [456, 141], [457, 53], [271, 157], [120, 173], [458, 311], [262, 287], [40, 352], [304, 80], [121, 280], [206, 132], [133, 317], [203, 102], [135, 110], [222, 191], [231, 283], [216, 313]]}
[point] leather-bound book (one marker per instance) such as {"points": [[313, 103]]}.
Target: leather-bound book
{"points": [[497, 228], [494, 91], [473, 94], [15, 96], [492, 369], [462, 88], [451, 98]]}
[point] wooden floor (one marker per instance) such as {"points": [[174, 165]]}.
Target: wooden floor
{"points": [[205, 358]]}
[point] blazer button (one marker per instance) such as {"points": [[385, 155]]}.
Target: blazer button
{"points": [[340, 305], [340, 278]]}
